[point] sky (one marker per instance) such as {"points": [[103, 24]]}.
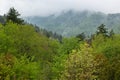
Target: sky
{"points": [[47, 7]]}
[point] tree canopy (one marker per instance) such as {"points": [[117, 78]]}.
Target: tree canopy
{"points": [[30, 53]]}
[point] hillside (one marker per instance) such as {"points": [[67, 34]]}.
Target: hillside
{"points": [[71, 23], [30, 53]]}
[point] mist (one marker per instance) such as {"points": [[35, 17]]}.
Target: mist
{"points": [[47, 7]]}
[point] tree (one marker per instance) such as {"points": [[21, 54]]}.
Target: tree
{"points": [[13, 16], [80, 65], [102, 30], [81, 36]]}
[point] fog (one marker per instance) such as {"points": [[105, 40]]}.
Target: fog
{"points": [[47, 7]]}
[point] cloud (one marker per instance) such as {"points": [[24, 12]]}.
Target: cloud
{"points": [[46, 7], [4, 6]]}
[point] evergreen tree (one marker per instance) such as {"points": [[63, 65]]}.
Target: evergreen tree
{"points": [[102, 30], [13, 16]]}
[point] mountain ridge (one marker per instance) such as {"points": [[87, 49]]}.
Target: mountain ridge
{"points": [[71, 23]]}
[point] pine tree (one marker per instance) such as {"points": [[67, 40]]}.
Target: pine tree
{"points": [[13, 16], [102, 30]]}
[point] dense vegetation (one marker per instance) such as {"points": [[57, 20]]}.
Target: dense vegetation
{"points": [[27, 53], [71, 23]]}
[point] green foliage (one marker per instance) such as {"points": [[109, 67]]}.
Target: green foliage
{"points": [[12, 68], [109, 68], [24, 40], [108, 46], [66, 47], [68, 44], [101, 63], [79, 65], [20, 40], [27, 53], [29, 68], [58, 65]]}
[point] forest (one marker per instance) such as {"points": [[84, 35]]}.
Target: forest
{"points": [[28, 52]]}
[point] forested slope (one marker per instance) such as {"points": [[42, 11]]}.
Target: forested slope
{"points": [[26, 53]]}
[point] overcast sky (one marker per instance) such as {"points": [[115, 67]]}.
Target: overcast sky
{"points": [[46, 7]]}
